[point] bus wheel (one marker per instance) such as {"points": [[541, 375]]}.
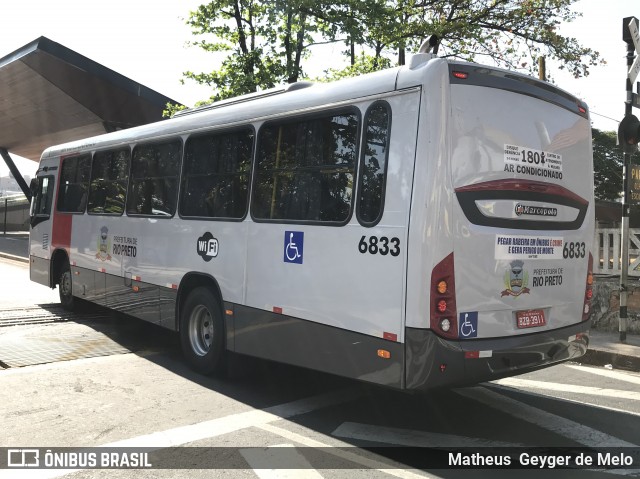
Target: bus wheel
{"points": [[202, 332], [65, 288]]}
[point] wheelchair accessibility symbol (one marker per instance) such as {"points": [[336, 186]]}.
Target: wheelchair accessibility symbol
{"points": [[293, 246], [468, 325]]}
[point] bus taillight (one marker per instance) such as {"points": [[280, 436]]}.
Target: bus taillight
{"points": [[588, 293], [443, 300]]}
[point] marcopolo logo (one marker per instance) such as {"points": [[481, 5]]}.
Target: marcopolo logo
{"points": [[207, 246], [535, 210]]}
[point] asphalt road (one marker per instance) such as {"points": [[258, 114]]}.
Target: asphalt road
{"points": [[97, 379], [15, 243]]}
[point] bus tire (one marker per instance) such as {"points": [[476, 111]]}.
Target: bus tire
{"points": [[65, 287], [202, 332]]}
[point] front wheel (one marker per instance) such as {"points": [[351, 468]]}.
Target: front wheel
{"points": [[202, 332], [65, 288]]}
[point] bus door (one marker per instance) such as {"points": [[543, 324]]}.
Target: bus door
{"points": [[40, 226]]}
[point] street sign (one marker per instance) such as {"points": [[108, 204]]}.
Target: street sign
{"points": [[635, 35], [635, 100], [634, 70], [635, 38]]}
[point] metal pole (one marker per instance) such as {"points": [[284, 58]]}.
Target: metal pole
{"points": [[5, 217], [624, 267], [16, 173]]}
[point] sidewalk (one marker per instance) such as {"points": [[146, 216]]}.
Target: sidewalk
{"points": [[604, 347]]}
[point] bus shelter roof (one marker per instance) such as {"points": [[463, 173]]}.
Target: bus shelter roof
{"points": [[50, 94]]}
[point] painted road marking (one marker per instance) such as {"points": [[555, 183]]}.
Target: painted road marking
{"points": [[409, 437], [298, 466], [628, 377], [580, 433], [569, 388], [582, 401], [234, 422], [333, 449], [213, 428]]}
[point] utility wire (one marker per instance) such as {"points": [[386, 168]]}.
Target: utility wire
{"points": [[604, 116]]}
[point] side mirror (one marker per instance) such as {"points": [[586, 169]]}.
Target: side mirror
{"points": [[33, 187]]}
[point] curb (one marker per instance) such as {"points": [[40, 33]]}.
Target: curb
{"points": [[597, 357], [13, 257]]}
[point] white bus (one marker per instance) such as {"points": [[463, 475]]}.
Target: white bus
{"points": [[424, 226]]}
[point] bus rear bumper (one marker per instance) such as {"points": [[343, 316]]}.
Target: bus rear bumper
{"points": [[434, 362]]}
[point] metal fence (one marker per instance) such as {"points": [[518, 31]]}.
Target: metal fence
{"points": [[14, 213], [607, 259]]}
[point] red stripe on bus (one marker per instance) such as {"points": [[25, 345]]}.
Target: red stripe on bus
{"points": [[61, 234]]}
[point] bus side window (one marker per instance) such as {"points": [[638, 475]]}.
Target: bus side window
{"points": [[216, 172], [108, 186], [373, 170], [74, 184], [305, 169], [153, 185]]}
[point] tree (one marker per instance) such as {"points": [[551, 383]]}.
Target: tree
{"points": [[267, 41], [509, 33], [607, 165]]}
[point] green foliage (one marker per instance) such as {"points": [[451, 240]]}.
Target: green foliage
{"points": [[171, 109], [267, 41], [509, 33], [607, 165], [363, 64]]}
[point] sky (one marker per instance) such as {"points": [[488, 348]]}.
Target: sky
{"points": [[146, 41]]}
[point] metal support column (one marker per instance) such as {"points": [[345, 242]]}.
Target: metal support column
{"points": [[16, 173]]}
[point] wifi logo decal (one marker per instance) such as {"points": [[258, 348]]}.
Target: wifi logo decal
{"points": [[207, 246]]}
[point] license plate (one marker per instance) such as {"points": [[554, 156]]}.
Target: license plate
{"points": [[530, 319]]}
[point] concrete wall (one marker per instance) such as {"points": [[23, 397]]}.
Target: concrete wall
{"points": [[16, 214], [605, 306]]}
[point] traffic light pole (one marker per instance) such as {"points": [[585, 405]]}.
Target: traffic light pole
{"points": [[624, 267]]}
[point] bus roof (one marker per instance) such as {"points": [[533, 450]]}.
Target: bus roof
{"points": [[305, 96], [243, 109]]}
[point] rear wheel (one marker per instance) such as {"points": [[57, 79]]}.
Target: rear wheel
{"points": [[65, 288], [202, 332]]}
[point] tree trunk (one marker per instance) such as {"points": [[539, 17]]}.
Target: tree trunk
{"points": [[295, 71]]}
